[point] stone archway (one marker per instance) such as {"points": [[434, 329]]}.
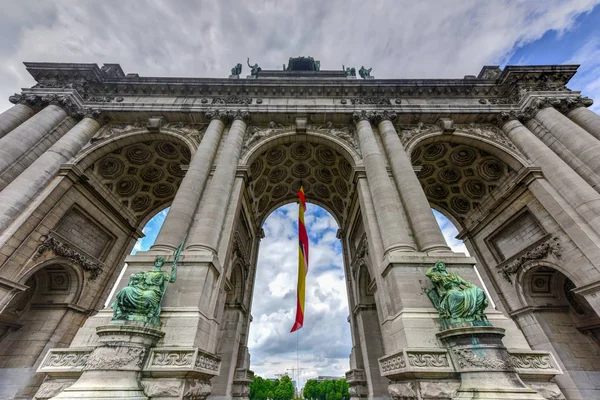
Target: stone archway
{"points": [[277, 167]]}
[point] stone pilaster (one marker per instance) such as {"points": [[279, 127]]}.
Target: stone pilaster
{"points": [[426, 230], [15, 197], [394, 229], [28, 138], [190, 191], [579, 142], [23, 109], [572, 187], [208, 225]]}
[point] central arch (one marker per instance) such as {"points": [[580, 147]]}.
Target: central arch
{"points": [[277, 165]]}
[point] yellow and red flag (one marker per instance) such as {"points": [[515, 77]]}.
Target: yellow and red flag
{"points": [[302, 262]]}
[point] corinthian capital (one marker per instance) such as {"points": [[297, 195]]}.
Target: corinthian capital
{"points": [[89, 113], [28, 99], [504, 117], [380, 116], [362, 115], [570, 103]]}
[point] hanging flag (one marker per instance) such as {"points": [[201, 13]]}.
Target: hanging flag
{"points": [[302, 262]]}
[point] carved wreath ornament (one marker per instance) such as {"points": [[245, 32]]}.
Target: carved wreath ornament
{"points": [[65, 250]]}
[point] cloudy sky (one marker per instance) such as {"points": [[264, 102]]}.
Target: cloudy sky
{"points": [[398, 39]]}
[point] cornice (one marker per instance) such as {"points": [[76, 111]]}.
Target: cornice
{"points": [[108, 83]]}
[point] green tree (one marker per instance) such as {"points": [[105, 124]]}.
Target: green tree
{"points": [[336, 389], [285, 389]]}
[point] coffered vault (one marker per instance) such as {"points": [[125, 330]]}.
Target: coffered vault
{"points": [[90, 153]]}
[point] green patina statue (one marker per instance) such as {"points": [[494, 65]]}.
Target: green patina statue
{"points": [[141, 299], [349, 71], [254, 69], [364, 72], [459, 303], [237, 70]]}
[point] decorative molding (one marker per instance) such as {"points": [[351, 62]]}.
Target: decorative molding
{"points": [[428, 360], [356, 376], [362, 251], [208, 362], [469, 359], [488, 131], [63, 249], [532, 361], [172, 358], [344, 132], [392, 363], [255, 134], [566, 105], [408, 133], [194, 131], [65, 360], [543, 250], [132, 358], [380, 101], [232, 100]]}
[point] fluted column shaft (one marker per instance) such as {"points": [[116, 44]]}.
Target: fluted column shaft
{"points": [[34, 178], [587, 119], [27, 135], [576, 191], [395, 233], [425, 228], [213, 207], [14, 117], [181, 213], [576, 139]]}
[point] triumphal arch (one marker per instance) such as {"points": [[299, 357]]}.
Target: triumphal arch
{"points": [[89, 154]]}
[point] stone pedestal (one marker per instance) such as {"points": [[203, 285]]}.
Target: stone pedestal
{"points": [[485, 365], [112, 370], [357, 382]]}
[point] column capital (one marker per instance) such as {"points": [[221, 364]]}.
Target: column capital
{"points": [[362, 115], [380, 116], [241, 115], [88, 112], [568, 104], [228, 116], [28, 99], [504, 117], [66, 102]]}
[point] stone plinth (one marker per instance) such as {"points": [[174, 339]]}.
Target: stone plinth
{"points": [[112, 370], [485, 365]]}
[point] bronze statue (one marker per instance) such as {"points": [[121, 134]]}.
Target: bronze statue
{"points": [[254, 69], [459, 303], [141, 299], [349, 71], [237, 70], [364, 73]]}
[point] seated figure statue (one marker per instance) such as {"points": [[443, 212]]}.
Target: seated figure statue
{"points": [[141, 299], [459, 303]]}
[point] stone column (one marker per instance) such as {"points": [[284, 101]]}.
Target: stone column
{"points": [[575, 139], [395, 233], [426, 230], [576, 110], [28, 135], [188, 196], [15, 197], [207, 228], [17, 114], [576, 191]]}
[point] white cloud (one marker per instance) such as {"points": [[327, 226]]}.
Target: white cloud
{"points": [[588, 75], [164, 38]]}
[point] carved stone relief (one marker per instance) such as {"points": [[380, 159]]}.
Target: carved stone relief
{"points": [[63, 249], [543, 250], [407, 133], [469, 359], [344, 132]]}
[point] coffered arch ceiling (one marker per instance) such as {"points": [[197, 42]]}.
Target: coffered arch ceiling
{"points": [[458, 177], [277, 173], [143, 176]]}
